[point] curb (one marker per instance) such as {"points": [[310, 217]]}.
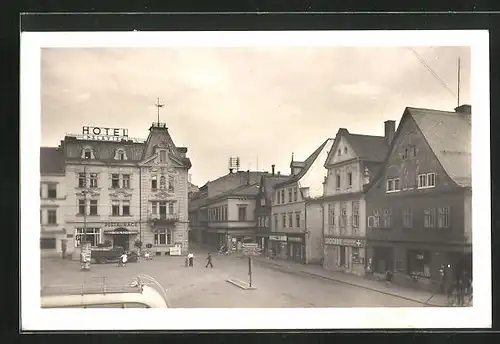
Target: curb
{"points": [[428, 304], [240, 284]]}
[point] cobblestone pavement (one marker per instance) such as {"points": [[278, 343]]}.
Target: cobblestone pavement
{"points": [[200, 287]]}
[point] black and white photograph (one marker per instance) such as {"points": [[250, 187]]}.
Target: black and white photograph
{"points": [[246, 180]]}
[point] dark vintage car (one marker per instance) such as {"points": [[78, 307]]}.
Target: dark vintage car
{"points": [[105, 255]]}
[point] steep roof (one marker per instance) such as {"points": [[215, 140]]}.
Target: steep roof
{"points": [[368, 147], [51, 160], [270, 181], [449, 136], [242, 190], [307, 165]]}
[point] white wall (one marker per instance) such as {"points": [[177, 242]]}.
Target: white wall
{"points": [[315, 176]]}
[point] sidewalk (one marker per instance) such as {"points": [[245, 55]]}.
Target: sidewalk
{"points": [[421, 297]]}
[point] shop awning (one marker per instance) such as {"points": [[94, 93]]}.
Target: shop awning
{"points": [[121, 231]]}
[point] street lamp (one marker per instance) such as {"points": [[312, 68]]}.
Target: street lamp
{"points": [[85, 251]]}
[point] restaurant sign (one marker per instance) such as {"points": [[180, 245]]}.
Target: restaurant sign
{"points": [[277, 237], [104, 134], [120, 224]]}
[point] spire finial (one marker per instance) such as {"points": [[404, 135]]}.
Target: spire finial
{"points": [[158, 105]]}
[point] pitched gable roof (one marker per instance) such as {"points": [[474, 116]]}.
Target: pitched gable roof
{"points": [[51, 160], [449, 136], [307, 165], [243, 190], [268, 182]]}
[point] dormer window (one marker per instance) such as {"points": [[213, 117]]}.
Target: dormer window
{"points": [[120, 154], [163, 156], [88, 153]]}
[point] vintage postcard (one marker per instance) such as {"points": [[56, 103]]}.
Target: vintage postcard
{"points": [[255, 180]]}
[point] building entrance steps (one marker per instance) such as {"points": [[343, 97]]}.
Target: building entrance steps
{"points": [[422, 297]]}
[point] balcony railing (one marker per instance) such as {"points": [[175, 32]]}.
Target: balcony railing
{"points": [[163, 219]]}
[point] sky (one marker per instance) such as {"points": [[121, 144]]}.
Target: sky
{"points": [[257, 103]]}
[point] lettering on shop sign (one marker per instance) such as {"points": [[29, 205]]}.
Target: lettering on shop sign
{"points": [[295, 239], [345, 242], [277, 237], [120, 224], [104, 134]]}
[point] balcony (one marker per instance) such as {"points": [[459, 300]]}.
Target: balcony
{"points": [[163, 219]]}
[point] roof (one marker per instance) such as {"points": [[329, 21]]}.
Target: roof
{"points": [[307, 165], [270, 181], [243, 190], [449, 136], [368, 147], [51, 160]]}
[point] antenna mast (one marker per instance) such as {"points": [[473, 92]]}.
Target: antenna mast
{"points": [[458, 85]]}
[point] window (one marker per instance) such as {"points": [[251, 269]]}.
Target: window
{"points": [[331, 215], [337, 181], [163, 182], [290, 195], [81, 207], [414, 151], [170, 183], [163, 237], [163, 156], [115, 181], [404, 156], [81, 180], [93, 235], [41, 216], [126, 208], [284, 220], [422, 180], [154, 208], [154, 184], [93, 180], [266, 221], [399, 266], [393, 185], [297, 219], [51, 190], [418, 262], [295, 194], [87, 154], [126, 181], [386, 220], [444, 217], [275, 221], [339, 152], [93, 207], [52, 217], [345, 150], [355, 214], [349, 178], [407, 218], [163, 209], [290, 220], [262, 202], [374, 220], [225, 213], [431, 179], [47, 243], [429, 218], [396, 184], [278, 194], [242, 213], [282, 196], [343, 215], [171, 209], [120, 154]]}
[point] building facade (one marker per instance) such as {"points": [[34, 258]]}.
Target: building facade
{"points": [[125, 192], [296, 221], [419, 210], [351, 162], [53, 239]]}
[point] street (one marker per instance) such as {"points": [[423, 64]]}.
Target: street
{"points": [[200, 287]]}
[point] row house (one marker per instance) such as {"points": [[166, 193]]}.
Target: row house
{"points": [[231, 217], [351, 163], [296, 219], [53, 239], [263, 208], [419, 209], [197, 215], [123, 193]]}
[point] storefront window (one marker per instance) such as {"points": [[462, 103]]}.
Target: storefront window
{"points": [[419, 263], [93, 235]]}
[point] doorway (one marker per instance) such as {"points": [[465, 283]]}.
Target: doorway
{"points": [[121, 241], [342, 255]]}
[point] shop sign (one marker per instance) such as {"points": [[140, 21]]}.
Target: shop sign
{"points": [[345, 242], [120, 224], [175, 251], [117, 232], [104, 134], [277, 237], [295, 239]]}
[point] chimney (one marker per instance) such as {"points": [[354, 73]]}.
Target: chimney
{"points": [[465, 109], [272, 169], [390, 129], [248, 177]]}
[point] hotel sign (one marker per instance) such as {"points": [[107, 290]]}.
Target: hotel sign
{"points": [[104, 134]]}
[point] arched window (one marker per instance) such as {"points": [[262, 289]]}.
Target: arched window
{"points": [[88, 153], [171, 183], [120, 154], [162, 182], [154, 184]]}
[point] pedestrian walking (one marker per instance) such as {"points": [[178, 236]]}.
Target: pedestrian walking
{"points": [[209, 261], [461, 289], [191, 259], [123, 259]]}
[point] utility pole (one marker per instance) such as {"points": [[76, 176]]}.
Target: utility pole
{"points": [[250, 270]]}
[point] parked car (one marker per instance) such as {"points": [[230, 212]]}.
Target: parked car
{"points": [[110, 255]]}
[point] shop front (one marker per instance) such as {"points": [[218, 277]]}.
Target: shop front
{"points": [[347, 254], [296, 247], [121, 234], [262, 239], [277, 246]]}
